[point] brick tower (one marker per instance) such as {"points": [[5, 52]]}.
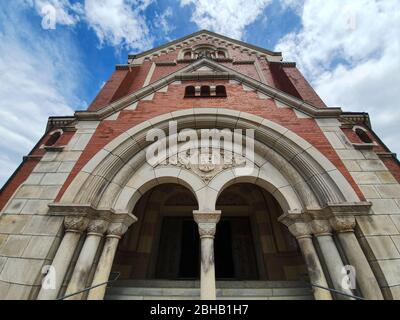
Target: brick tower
{"points": [[323, 194]]}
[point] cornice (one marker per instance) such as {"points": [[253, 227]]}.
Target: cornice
{"points": [[176, 42], [88, 211]]}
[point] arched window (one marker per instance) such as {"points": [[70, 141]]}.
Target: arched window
{"points": [[187, 55], [363, 136], [52, 140], [205, 91], [190, 91], [221, 55], [220, 91]]}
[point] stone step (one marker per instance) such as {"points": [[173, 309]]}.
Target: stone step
{"points": [[220, 292], [220, 284], [226, 290], [185, 298]]}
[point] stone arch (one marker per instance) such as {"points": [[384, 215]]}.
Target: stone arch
{"points": [[314, 180]]}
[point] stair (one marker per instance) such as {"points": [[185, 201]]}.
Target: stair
{"points": [[226, 290]]}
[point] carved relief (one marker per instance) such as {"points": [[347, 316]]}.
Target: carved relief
{"points": [[343, 224], [76, 223], [207, 164], [321, 227], [207, 222], [117, 229], [97, 227]]}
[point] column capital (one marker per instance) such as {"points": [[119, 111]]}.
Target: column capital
{"points": [[77, 224], [298, 224], [321, 227], [97, 227], [207, 222], [116, 230], [343, 224]]}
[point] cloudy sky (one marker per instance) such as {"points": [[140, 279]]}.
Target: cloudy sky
{"points": [[348, 49]]}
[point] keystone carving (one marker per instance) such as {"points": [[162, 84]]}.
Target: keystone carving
{"points": [[207, 164]]}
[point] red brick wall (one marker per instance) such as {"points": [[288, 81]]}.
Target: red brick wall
{"points": [[287, 79], [237, 99]]}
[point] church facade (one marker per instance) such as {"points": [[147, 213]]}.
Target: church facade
{"points": [[206, 168]]}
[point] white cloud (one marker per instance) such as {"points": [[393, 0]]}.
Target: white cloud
{"points": [[228, 17], [119, 22], [351, 55], [39, 78], [67, 13], [161, 21]]}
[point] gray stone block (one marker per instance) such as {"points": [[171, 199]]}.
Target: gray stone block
{"points": [[34, 207], [372, 165], [380, 248], [22, 271], [365, 177], [46, 167], [13, 224], [34, 178], [15, 206], [376, 225], [44, 225], [384, 206], [350, 155], [40, 247], [389, 191], [370, 192], [54, 179], [15, 246], [389, 273]]}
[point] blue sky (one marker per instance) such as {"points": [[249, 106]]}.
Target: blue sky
{"points": [[348, 50]]}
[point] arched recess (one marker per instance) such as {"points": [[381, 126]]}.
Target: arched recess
{"points": [[311, 178]]}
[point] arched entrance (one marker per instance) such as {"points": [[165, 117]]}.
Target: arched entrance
{"points": [[315, 198], [162, 249]]}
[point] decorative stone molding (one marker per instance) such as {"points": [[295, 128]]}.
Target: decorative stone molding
{"points": [[207, 164], [343, 224], [207, 222], [79, 218], [76, 224], [321, 228], [97, 227]]}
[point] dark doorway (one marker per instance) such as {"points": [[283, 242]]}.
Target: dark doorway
{"points": [[179, 250]]}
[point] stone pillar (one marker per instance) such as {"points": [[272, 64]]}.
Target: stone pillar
{"points": [[74, 227], [103, 270], [302, 232], [207, 222], [365, 278], [322, 231], [86, 258]]}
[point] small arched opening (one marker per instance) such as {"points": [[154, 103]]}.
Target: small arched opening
{"points": [[190, 92], [205, 91], [363, 135]]}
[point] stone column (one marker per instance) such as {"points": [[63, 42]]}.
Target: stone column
{"points": [[302, 232], [103, 270], [322, 230], [74, 227], [365, 278], [207, 222], [86, 258]]}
